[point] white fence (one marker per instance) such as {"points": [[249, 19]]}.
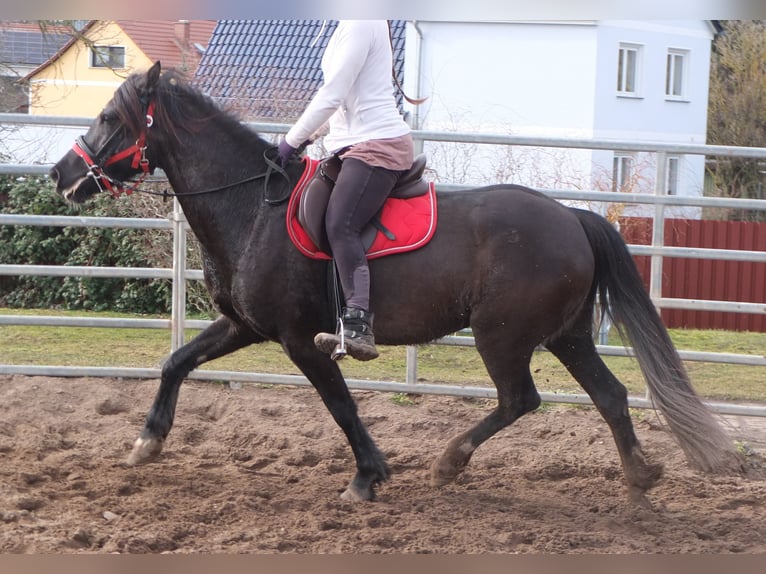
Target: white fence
{"points": [[179, 274]]}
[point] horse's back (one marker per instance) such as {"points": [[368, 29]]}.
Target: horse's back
{"points": [[500, 251]]}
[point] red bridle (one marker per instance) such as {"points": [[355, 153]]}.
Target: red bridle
{"points": [[137, 150]]}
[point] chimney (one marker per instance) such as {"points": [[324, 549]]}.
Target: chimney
{"points": [[181, 29]]}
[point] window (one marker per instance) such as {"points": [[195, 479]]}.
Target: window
{"points": [[622, 172], [672, 176], [675, 74], [628, 69], [107, 57]]}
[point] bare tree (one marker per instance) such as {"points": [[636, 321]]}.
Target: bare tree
{"points": [[737, 109]]}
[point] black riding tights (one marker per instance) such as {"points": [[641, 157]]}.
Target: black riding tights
{"points": [[360, 191]]}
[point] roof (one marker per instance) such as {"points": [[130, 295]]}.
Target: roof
{"points": [[175, 43], [270, 69], [159, 39], [27, 44]]}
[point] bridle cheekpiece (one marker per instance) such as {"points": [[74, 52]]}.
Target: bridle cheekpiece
{"points": [[96, 164]]}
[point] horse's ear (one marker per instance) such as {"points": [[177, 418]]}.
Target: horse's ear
{"points": [[153, 75]]}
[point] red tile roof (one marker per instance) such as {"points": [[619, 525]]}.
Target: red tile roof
{"points": [[173, 42]]}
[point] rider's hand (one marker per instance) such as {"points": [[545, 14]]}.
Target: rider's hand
{"points": [[286, 152]]}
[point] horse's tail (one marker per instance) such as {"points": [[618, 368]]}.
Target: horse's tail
{"points": [[623, 297]]}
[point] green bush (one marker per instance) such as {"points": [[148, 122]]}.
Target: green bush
{"points": [[82, 246]]}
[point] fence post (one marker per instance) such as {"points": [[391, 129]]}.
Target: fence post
{"points": [[178, 297], [658, 231], [412, 365], [658, 227]]}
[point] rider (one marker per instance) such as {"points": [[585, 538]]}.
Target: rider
{"points": [[369, 134]]}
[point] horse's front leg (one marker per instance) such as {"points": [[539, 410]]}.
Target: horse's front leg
{"points": [[222, 337], [328, 380]]}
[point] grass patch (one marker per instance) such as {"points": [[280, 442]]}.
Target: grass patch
{"points": [[402, 400], [438, 364]]}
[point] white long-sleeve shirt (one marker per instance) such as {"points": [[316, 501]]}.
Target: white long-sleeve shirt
{"points": [[356, 96]]}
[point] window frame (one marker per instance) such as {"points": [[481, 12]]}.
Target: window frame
{"points": [[671, 67], [623, 69], [105, 59], [621, 177], [673, 174]]}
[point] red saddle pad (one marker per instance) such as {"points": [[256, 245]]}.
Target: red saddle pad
{"points": [[412, 221]]}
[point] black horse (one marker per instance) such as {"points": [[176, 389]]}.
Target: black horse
{"points": [[517, 267]]}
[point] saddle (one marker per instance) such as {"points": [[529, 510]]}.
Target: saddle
{"points": [[313, 201]]}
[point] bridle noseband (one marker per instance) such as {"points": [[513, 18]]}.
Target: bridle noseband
{"points": [[96, 164]]}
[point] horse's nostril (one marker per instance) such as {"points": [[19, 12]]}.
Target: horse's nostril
{"points": [[54, 174]]}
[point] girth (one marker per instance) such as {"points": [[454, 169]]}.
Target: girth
{"points": [[314, 200]]}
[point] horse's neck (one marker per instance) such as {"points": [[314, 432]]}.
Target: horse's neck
{"points": [[221, 220]]}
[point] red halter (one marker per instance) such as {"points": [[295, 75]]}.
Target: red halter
{"points": [[137, 150]]}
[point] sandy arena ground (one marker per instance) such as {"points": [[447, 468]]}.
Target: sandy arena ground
{"points": [[260, 470]]}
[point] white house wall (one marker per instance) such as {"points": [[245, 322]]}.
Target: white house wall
{"points": [[552, 79], [652, 116], [506, 78]]}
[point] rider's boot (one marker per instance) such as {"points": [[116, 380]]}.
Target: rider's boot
{"points": [[354, 337]]}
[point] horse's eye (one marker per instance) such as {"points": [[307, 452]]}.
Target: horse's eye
{"points": [[107, 117]]}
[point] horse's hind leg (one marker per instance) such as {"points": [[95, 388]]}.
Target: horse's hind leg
{"points": [[516, 396], [577, 351], [220, 338]]}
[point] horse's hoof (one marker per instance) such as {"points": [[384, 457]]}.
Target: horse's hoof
{"points": [[359, 490], [356, 494], [144, 450], [637, 496], [442, 474], [645, 477], [439, 480]]}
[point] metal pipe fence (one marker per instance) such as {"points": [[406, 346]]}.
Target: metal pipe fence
{"points": [[179, 274]]}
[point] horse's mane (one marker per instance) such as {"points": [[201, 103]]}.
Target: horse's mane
{"points": [[178, 106]]}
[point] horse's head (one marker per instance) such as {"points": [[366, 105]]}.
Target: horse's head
{"points": [[114, 149]]}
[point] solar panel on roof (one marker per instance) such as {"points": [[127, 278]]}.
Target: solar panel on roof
{"points": [[29, 47]]}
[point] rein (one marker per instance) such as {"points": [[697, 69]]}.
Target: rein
{"points": [[272, 167], [116, 187]]}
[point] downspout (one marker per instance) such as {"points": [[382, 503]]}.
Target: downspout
{"points": [[412, 351], [418, 76]]}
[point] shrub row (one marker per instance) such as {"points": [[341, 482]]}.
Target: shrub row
{"points": [[37, 245]]}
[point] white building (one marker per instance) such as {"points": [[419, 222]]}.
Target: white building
{"points": [[643, 81]]}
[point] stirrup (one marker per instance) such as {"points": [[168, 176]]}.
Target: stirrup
{"points": [[333, 344], [340, 351], [354, 337]]}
